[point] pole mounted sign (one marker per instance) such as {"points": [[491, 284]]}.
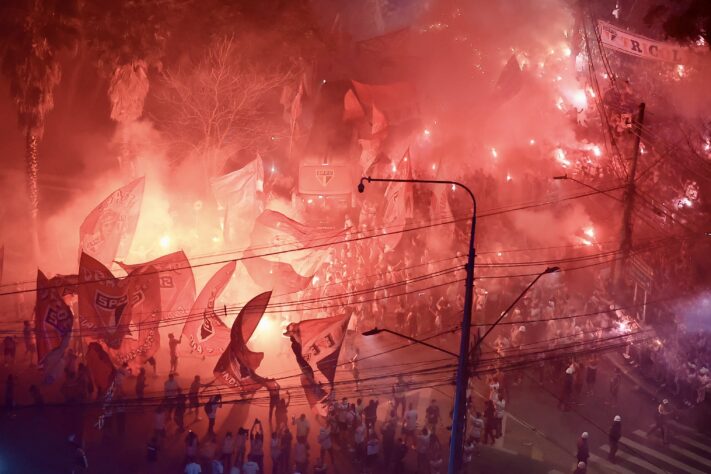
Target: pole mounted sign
{"points": [[646, 48]]}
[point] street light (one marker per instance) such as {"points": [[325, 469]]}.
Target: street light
{"points": [[456, 443], [374, 331]]}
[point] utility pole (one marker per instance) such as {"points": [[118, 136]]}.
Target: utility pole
{"points": [[626, 244]]}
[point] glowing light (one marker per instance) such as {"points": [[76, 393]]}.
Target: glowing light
{"points": [[590, 232], [567, 51], [454, 187], [393, 168], [315, 279], [532, 141], [323, 81], [642, 149], [558, 78], [559, 103], [498, 254], [605, 76], [164, 241], [586, 242], [310, 201], [494, 153], [320, 197], [707, 145], [701, 41], [215, 239], [623, 326], [434, 166], [560, 157], [426, 132], [591, 92], [273, 168], [508, 178], [596, 150], [579, 99], [680, 70], [685, 202]]}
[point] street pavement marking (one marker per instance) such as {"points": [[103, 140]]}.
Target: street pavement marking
{"points": [[680, 450], [692, 442], [635, 460], [608, 466], [691, 430], [660, 456]]}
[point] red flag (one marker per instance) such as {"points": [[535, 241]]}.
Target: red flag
{"points": [[237, 194], [176, 280], [352, 110], [316, 344], [440, 211], [100, 365], [103, 302], [397, 101], [143, 339], [123, 313], [108, 230], [53, 318], [237, 364], [292, 270], [398, 203], [2, 261], [206, 334], [369, 152]]}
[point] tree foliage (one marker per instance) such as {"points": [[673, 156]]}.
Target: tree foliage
{"points": [[33, 33]]}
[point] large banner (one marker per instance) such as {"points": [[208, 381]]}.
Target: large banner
{"points": [[280, 256], [237, 365], [53, 318], [620, 40], [107, 231], [316, 344], [177, 284], [206, 333], [122, 313], [398, 204]]}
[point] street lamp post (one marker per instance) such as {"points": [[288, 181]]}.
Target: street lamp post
{"points": [[457, 439], [479, 341]]}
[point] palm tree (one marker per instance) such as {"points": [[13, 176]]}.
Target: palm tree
{"points": [[32, 35], [128, 37]]}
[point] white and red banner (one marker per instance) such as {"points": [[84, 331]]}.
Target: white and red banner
{"points": [[123, 313], [618, 39], [279, 257], [237, 365], [316, 344], [399, 205], [53, 318], [176, 281], [205, 333], [107, 231], [237, 193]]}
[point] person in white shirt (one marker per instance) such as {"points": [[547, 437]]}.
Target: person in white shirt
{"points": [[193, 468]]}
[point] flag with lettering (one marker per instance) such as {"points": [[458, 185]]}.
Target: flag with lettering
{"points": [[316, 344], [204, 332], [176, 281], [237, 193], [284, 254], [399, 205], [53, 318], [65, 284], [142, 340], [107, 304], [237, 365], [107, 232]]}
